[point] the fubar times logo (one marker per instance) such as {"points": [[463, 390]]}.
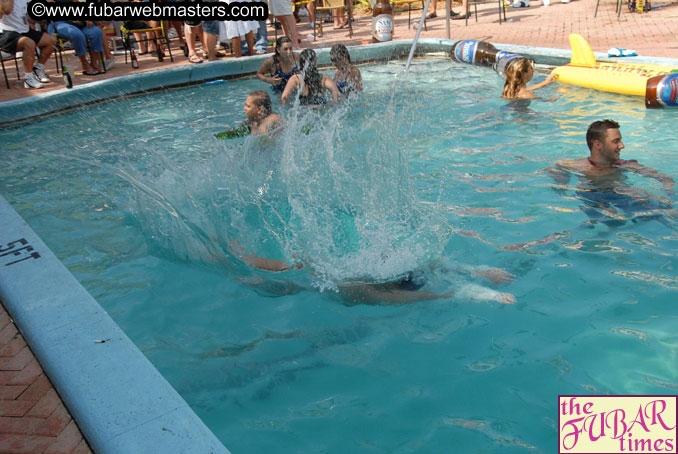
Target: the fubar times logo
{"points": [[617, 424]]}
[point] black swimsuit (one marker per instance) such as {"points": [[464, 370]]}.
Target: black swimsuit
{"points": [[279, 88]]}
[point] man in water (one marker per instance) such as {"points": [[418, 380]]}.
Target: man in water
{"points": [[602, 174], [260, 116]]}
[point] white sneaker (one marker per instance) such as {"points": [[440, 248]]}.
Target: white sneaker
{"points": [[521, 4], [30, 81], [40, 74], [108, 64]]}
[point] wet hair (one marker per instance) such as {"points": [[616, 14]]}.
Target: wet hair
{"points": [[338, 53], [261, 99], [598, 131], [309, 72], [278, 44], [517, 75]]}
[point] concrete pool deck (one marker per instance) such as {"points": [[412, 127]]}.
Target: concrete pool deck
{"points": [[651, 34]]}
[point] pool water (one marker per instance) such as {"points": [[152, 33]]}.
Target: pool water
{"points": [[154, 216]]}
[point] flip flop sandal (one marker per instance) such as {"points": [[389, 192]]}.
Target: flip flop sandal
{"points": [[91, 73], [194, 59]]}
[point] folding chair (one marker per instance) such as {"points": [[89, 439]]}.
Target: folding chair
{"points": [[501, 4], [16, 57], [164, 40], [9, 56], [331, 5], [111, 34], [619, 8], [410, 9]]}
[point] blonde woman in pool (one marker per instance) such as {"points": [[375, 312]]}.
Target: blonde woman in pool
{"points": [[518, 74]]}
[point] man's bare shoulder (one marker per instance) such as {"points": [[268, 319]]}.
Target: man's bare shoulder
{"points": [[577, 165]]}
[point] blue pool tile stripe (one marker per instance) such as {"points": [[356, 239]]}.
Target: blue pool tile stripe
{"points": [[120, 401]]}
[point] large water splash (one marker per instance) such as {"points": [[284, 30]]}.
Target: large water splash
{"points": [[331, 192]]}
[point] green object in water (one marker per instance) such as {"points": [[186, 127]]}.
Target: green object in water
{"points": [[306, 129], [241, 130]]}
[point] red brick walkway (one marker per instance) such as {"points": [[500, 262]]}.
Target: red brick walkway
{"points": [[32, 417]]}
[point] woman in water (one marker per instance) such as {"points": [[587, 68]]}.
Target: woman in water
{"points": [[279, 68], [518, 74], [346, 76], [312, 83]]}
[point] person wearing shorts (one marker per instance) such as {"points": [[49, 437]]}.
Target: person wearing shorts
{"points": [[282, 10], [210, 29], [18, 36]]}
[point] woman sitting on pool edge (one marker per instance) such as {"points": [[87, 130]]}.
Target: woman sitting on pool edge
{"points": [[278, 69], [346, 76], [312, 83], [518, 74]]}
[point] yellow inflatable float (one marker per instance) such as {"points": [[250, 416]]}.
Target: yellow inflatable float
{"points": [[657, 83]]}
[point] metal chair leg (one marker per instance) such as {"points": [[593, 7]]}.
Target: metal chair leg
{"points": [[4, 72]]}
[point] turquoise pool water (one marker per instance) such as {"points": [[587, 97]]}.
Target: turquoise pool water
{"points": [[148, 211]]}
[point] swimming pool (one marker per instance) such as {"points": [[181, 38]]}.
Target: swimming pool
{"points": [[442, 173]]}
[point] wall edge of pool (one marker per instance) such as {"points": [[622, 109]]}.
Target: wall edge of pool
{"points": [[120, 401], [19, 110]]}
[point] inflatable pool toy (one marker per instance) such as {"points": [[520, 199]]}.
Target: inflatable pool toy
{"points": [[482, 53], [241, 130], [657, 83], [244, 129]]}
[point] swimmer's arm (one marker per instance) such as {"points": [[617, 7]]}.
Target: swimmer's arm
{"points": [[331, 86], [667, 182], [560, 175], [265, 70], [265, 264], [289, 88], [549, 80], [358, 79]]}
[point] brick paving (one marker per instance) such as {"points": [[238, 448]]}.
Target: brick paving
{"points": [[33, 419], [650, 34]]}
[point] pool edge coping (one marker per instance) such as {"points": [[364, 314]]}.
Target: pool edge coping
{"points": [[88, 357], [43, 104]]}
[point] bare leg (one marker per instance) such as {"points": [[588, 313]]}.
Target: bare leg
{"points": [[95, 59], [337, 12], [237, 46], [46, 45], [211, 41], [249, 37], [107, 48], [27, 46], [311, 11], [143, 46], [190, 42], [289, 26]]}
